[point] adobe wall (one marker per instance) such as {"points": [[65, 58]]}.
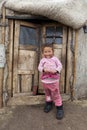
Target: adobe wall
{"points": [[81, 66]]}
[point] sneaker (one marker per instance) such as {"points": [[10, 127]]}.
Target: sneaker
{"points": [[48, 107], [60, 113]]}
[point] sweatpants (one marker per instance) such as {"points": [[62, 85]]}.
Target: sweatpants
{"points": [[52, 93]]}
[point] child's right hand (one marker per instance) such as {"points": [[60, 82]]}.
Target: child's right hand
{"points": [[53, 71], [50, 71], [46, 71]]}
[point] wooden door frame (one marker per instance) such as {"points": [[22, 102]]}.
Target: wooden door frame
{"points": [[11, 50], [16, 43], [64, 49], [10, 88], [38, 99]]}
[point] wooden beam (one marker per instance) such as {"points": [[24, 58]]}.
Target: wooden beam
{"points": [[75, 61], [68, 62], [75, 56], [31, 100], [10, 76], [63, 55], [2, 69]]}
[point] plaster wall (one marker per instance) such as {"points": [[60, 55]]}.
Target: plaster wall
{"points": [[81, 66]]}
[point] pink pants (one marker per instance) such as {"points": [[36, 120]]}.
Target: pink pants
{"points": [[52, 93]]}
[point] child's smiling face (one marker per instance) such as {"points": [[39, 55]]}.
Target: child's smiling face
{"points": [[48, 52]]}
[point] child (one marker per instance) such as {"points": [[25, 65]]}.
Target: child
{"points": [[50, 68]]}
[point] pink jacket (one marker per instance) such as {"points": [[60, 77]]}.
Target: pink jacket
{"points": [[50, 64]]}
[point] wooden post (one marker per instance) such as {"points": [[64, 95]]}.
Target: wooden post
{"points": [[75, 56], [75, 60], [2, 69], [68, 62], [10, 77]]}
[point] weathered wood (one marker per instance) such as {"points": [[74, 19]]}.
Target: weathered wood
{"points": [[25, 71], [15, 62], [26, 83], [75, 61], [35, 79], [63, 60], [30, 72], [40, 87], [68, 67], [31, 100], [59, 51], [28, 24], [1, 87], [2, 69], [28, 47], [75, 54], [25, 62], [10, 76]]}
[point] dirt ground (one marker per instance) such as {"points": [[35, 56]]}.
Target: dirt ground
{"points": [[33, 117]]}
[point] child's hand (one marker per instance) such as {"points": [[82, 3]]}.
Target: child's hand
{"points": [[46, 71], [53, 71], [50, 71]]}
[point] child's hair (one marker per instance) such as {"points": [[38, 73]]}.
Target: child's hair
{"points": [[47, 45]]}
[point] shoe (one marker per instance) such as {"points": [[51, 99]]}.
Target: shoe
{"points": [[48, 107], [60, 112]]}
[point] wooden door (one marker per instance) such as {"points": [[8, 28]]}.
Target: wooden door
{"points": [[27, 54], [57, 34], [25, 74]]}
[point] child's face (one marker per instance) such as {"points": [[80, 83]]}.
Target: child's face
{"points": [[48, 52]]}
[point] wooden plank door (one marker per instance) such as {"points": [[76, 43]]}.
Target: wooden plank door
{"points": [[57, 34], [25, 74]]}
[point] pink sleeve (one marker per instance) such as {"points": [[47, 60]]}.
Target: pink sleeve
{"points": [[59, 65], [40, 67]]}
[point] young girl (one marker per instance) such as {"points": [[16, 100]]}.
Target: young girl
{"points": [[50, 68]]}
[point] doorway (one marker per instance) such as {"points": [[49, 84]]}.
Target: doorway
{"points": [[28, 39]]}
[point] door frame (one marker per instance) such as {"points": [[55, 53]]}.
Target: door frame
{"points": [[11, 51], [64, 49]]}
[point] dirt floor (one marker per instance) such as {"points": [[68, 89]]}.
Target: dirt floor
{"points": [[33, 117]]}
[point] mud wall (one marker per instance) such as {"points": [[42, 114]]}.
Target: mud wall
{"points": [[81, 66]]}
